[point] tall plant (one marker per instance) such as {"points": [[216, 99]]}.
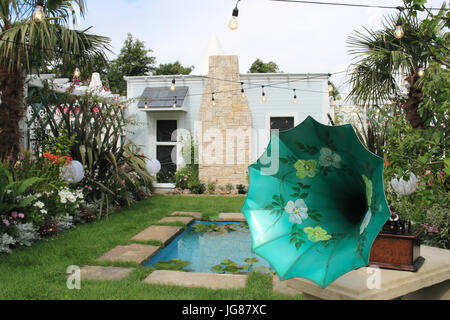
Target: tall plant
{"points": [[383, 60], [26, 45], [115, 172]]}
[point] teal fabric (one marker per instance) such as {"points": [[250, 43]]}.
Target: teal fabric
{"points": [[316, 214]]}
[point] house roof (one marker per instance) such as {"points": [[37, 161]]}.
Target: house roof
{"points": [[163, 97]]}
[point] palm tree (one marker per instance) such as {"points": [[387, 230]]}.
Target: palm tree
{"points": [[383, 61], [27, 45]]}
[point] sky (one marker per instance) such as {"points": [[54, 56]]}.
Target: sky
{"points": [[300, 38]]}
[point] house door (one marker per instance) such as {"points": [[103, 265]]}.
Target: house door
{"points": [[166, 149]]}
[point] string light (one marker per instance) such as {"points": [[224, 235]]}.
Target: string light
{"points": [[76, 72], [38, 14], [264, 99], [421, 72], [242, 91], [330, 87], [175, 103], [399, 33], [295, 98], [213, 100], [233, 24], [172, 87]]}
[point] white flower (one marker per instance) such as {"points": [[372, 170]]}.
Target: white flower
{"points": [[43, 211], [329, 158], [38, 195], [39, 204], [298, 211], [8, 191], [405, 188], [365, 221]]}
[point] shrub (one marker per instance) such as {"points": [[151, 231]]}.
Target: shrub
{"points": [[241, 189], [211, 187], [229, 187], [436, 229], [196, 186], [184, 176]]}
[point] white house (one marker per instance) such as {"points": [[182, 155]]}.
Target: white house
{"points": [[214, 110]]}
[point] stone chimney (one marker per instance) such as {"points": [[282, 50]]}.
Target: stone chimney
{"points": [[225, 131]]}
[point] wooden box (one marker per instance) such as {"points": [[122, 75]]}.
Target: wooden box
{"points": [[397, 251]]}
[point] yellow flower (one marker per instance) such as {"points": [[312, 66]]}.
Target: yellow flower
{"points": [[317, 234]]}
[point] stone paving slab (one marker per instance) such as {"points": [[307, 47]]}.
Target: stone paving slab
{"points": [[197, 279], [160, 233], [138, 253], [281, 286], [185, 220], [104, 273], [393, 283], [196, 215], [231, 216]]}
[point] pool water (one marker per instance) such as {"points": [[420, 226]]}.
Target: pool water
{"points": [[207, 249]]}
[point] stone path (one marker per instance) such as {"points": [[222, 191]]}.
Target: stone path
{"points": [[197, 279], [196, 215], [185, 220], [104, 273], [231, 216], [159, 233], [138, 253]]}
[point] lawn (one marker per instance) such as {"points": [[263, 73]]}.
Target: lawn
{"points": [[39, 272]]}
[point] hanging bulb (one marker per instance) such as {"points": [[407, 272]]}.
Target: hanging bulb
{"points": [[175, 103], [172, 87], [421, 72], [233, 25], [242, 91], [334, 102], [38, 14], [330, 87], [76, 73], [146, 105], [399, 33], [213, 100], [295, 98], [264, 99]]}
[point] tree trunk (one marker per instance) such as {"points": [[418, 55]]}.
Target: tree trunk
{"points": [[412, 106], [11, 112]]}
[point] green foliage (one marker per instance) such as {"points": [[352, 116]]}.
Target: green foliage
{"points": [[241, 189], [436, 227], [197, 187], [184, 176], [229, 187], [115, 171], [133, 60], [173, 264], [172, 69], [60, 145], [229, 266], [258, 66], [212, 227], [211, 187]]}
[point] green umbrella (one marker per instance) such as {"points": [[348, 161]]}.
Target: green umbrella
{"points": [[315, 202]]}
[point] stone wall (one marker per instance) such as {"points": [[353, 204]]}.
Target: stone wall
{"points": [[224, 135]]}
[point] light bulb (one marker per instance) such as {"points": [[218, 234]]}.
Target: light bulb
{"points": [[174, 105], [146, 106], [421, 72], [213, 102], [295, 100], [264, 99], [38, 14], [233, 25], [399, 33], [334, 103], [330, 88], [172, 87], [243, 94], [76, 73]]}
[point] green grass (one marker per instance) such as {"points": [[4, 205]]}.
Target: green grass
{"points": [[39, 272]]}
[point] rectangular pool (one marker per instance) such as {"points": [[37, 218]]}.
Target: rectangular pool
{"points": [[207, 249]]}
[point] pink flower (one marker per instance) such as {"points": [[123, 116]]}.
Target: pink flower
{"points": [[96, 110], [21, 216], [14, 214], [6, 222]]}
